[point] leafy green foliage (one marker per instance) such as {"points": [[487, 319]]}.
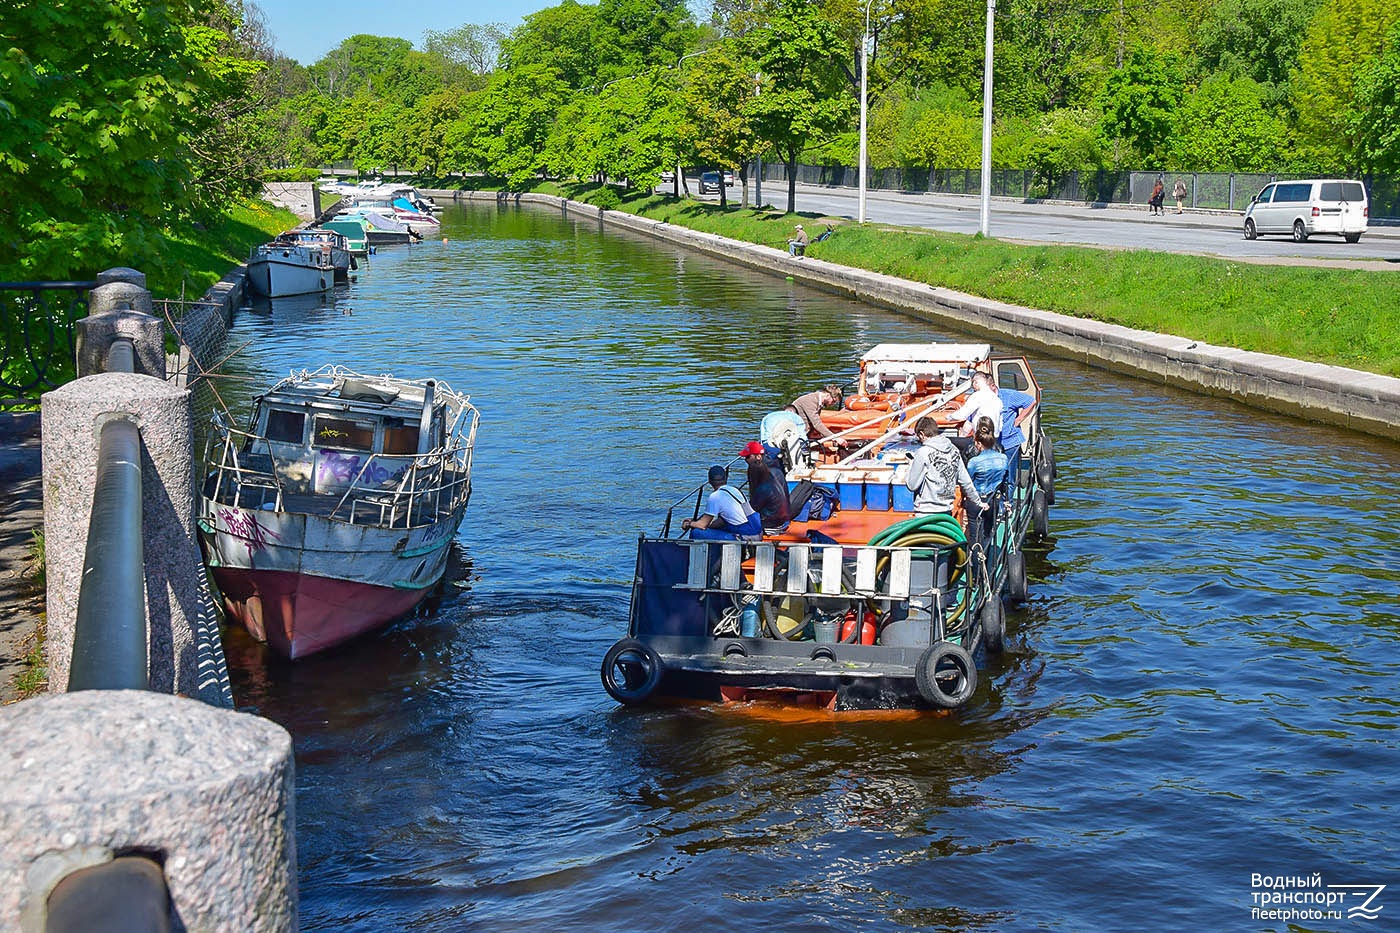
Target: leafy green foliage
{"points": [[802, 93], [1139, 101], [1225, 126], [116, 117], [1343, 35], [1374, 116]]}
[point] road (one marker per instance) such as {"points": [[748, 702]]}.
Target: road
{"points": [[1117, 227]]}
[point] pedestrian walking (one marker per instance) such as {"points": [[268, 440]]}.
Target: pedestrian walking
{"points": [[1159, 193], [1179, 192]]}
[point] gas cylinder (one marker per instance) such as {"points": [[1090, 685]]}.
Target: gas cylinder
{"points": [[748, 620], [867, 628]]}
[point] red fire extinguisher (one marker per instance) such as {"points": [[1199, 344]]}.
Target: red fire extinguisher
{"points": [[867, 628]]}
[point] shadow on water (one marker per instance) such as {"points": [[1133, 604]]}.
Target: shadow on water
{"points": [[1202, 684]]}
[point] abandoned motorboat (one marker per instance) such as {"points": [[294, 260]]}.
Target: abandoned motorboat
{"points": [[868, 606], [331, 514]]}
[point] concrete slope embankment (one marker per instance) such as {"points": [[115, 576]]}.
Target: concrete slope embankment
{"points": [[1351, 398]]}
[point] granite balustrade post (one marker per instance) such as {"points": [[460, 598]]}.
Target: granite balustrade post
{"points": [[205, 793]]}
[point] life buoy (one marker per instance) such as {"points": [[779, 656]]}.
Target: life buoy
{"points": [[631, 671], [946, 675]]}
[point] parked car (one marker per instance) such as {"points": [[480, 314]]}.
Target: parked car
{"points": [[1309, 206], [729, 179], [710, 181], [668, 177]]}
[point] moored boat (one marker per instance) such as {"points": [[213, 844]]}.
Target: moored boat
{"points": [[870, 605], [327, 241], [332, 513], [381, 229], [284, 268]]}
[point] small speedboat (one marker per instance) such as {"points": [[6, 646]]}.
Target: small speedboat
{"points": [[860, 602], [284, 267], [331, 514]]}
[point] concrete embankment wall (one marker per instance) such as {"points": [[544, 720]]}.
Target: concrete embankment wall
{"points": [[1333, 394]]}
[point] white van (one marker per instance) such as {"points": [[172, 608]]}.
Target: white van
{"points": [[1309, 206]]}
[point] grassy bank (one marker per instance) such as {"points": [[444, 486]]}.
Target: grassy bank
{"points": [[1340, 316], [193, 259]]}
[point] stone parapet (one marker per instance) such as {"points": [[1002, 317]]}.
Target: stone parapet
{"points": [[207, 793], [182, 636]]}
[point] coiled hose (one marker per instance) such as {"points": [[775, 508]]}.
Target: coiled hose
{"points": [[930, 534]]}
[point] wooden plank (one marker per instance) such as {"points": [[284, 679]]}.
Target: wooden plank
{"points": [[899, 573], [798, 555], [831, 571], [697, 573], [730, 565], [763, 558], [865, 569]]}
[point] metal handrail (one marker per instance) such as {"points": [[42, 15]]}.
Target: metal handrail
{"points": [[40, 337], [109, 636], [128, 893]]}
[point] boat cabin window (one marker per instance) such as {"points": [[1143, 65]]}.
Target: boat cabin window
{"points": [[286, 427], [1011, 374], [344, 434], [400, 437]]}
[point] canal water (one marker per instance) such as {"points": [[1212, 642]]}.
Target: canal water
{"points": [[1203, 687]]}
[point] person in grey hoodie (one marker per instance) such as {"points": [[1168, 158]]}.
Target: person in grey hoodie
{"points": [[935, 470]]}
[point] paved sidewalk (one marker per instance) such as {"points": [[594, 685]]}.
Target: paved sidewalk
{"points": [[21, 513]]}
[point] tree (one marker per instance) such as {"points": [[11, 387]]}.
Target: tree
{"points": [[1224, 126], [472, 49], [108, 127], [1140, 100], [561, 38], [803, 94], [357, 64], [716, 127], [1343, 35], [513, 121], [1373, 118], [1257, 39]]}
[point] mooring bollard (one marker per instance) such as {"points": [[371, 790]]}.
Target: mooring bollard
{"points": [[205, 793], [183, 638]]}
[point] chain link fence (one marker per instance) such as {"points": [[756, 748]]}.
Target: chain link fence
{"points": [[1220, 191]]}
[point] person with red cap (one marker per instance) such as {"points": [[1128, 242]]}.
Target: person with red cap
{"points": [[768, 492]]}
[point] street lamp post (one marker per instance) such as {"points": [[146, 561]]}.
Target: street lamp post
{"points": [[864, 64], [987, 128]]}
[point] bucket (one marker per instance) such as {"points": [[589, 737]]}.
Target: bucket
{"points": [[906, 633], [824, 632]]}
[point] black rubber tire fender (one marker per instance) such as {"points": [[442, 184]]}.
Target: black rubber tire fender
{"points": [[1016, 588], [631, 671], [1040, 514], [946, 675], [993, 620]]}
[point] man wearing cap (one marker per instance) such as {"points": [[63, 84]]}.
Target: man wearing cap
{"points": [[768, 492], [727, 514], [797, 246]]}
